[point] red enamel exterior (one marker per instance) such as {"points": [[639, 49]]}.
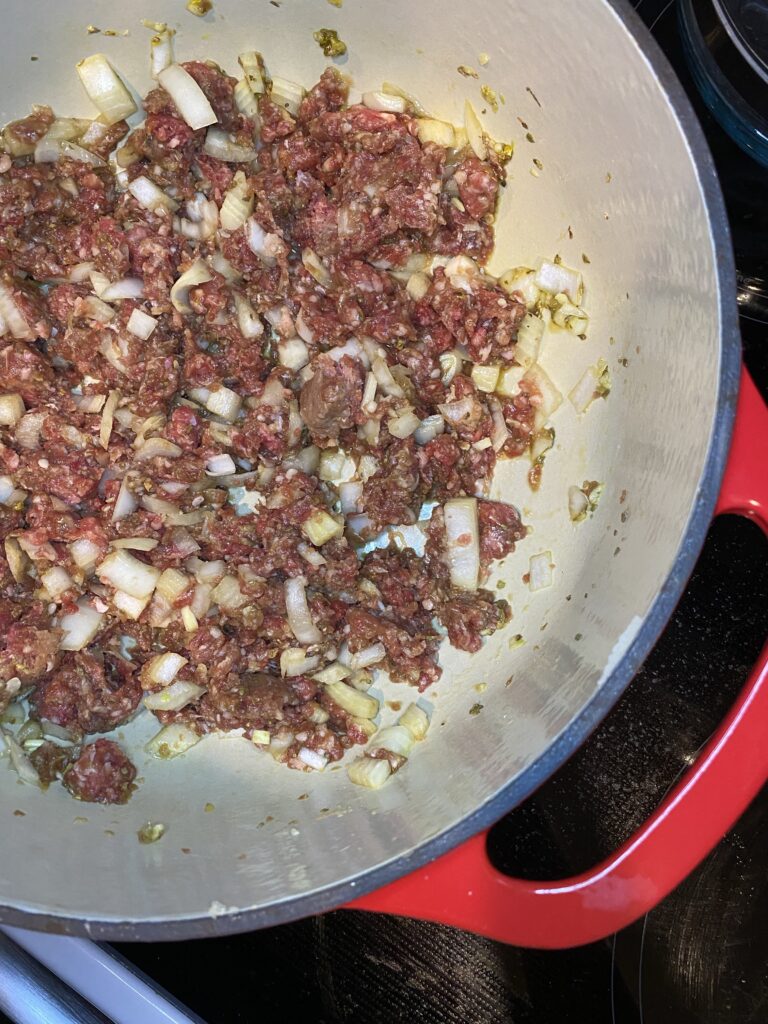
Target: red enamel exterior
{"points": [[463, 889]]}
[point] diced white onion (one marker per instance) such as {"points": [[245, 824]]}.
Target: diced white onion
{"points": [[404, 424], [126, 288], [455, 412], [299, 615], [554, 278], [287, 94], [294, 662], [429, 429], [247, 319], [540, 571], [227, 594], [578, 504], [315, 266], [173, 740], [198, 273], [397, 739], [566, 314], [79, 627], [364, 658], [225, 403], [429, 129], [222, 146], [237, 206], [220, 465], [125, 502], [124, 572], [385, 380], [369, 772], [417, 285], [141, 324], [56, 581], [20, 762], [151, 196], [462, 542], [80, 272], [163, 668], [266, 245], [174, 697], [415, 720], [253, 68], [500, 432], [245, 101], [321, 527], [190, 100], [48, 150], [12, 316], [463, 273], [350, 495], [130, 606], [293, 353], [585, 391], [107, 418], [528, 341], [485, 377], [549, 398], [521, 280], [313, 759], [135, 543], [474, 130], [383, 101], [161, 50], [157, 448], [7, 487], [451, 364], [11, 410], [85, 554], [105, 88]]}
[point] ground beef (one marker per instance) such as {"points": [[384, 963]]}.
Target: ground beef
{"points": [[330, 400], [88, 693], [219, 446], [102, 774]]}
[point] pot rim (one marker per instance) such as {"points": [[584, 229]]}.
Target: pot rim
{"points": [[607, 695]]}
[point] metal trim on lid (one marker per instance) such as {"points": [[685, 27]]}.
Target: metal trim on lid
{"points": [[737, 33]]}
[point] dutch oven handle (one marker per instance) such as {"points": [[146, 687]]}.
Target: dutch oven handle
{"points": [[462, 888]]}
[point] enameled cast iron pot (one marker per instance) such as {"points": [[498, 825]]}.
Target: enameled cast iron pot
{"points": [[626, 168]]}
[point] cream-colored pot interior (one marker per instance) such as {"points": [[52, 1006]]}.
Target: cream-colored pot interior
{"points": [[618, 183]]}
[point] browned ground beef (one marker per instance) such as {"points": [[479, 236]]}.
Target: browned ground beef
{"points": [[346, 201]]}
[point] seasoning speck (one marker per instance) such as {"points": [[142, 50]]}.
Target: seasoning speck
{"points": [[199, 7], [19, 814], [585, 258], [538, 163], [185, 849], [608, 178], [328, 41], [481, 687], [395, 705], [489, 95], [530, 91], [80, 820], [108, 832], [209, 807], [516, 641], [467, 71], [578, 636], [151, 832], [483, 59], [92, 30], [303, 796], [33, 57], [476, 709], [529, 137]]}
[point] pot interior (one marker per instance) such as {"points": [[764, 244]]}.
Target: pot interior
{"points": [[617, 186]]}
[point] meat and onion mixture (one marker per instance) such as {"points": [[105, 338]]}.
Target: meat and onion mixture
{"points": [[237, 343]]}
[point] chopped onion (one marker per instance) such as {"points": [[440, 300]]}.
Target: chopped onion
{"points": [[415, 720], [299, 615], [174, 697], [247, 320], [124, 572], [173, 740], [336, 466], [48, 150], [225, 403], [11, 410], [20, 763], [521, 280], [198, 273], [548, 399], [189, 619], [397, 739], [245, 101], [105, 88], [190, 100], [313, 759], [163, 668], [221, 146], [528, 340], [353, 701], [404, 424], [80, 627], [566, 314], [238, 204], [130, 606], [266, 245], [540, 571], [350, 495], [541, 443], [509, 381], [125, 502], [369, 772], [253, 68], [384, 101], [220, 465], [294, 662], [463, 273], [429, 429], [85, 554], [141, 324], [474, 130], [321, 527], [554, 278], [385, 380], [161, 50], [293, 353], [315, 266], [363, 658], [429, 129], [287, 94], [578, 504], [107, 418], [500, 432], [157, 448], [56, 581], [462, 542], [417, 285], [451, 364], [80, 272], [227, 594], [455, 412], [126, 288], [485, 377], [95, 309], [151, 196], [135, 543], [7, 487], [12, 315], [16, 559]]}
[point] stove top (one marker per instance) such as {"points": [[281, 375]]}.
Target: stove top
{"points": [[701, 957]]}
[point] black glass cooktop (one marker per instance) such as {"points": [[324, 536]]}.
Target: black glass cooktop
{"points": [[699, 958]]}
